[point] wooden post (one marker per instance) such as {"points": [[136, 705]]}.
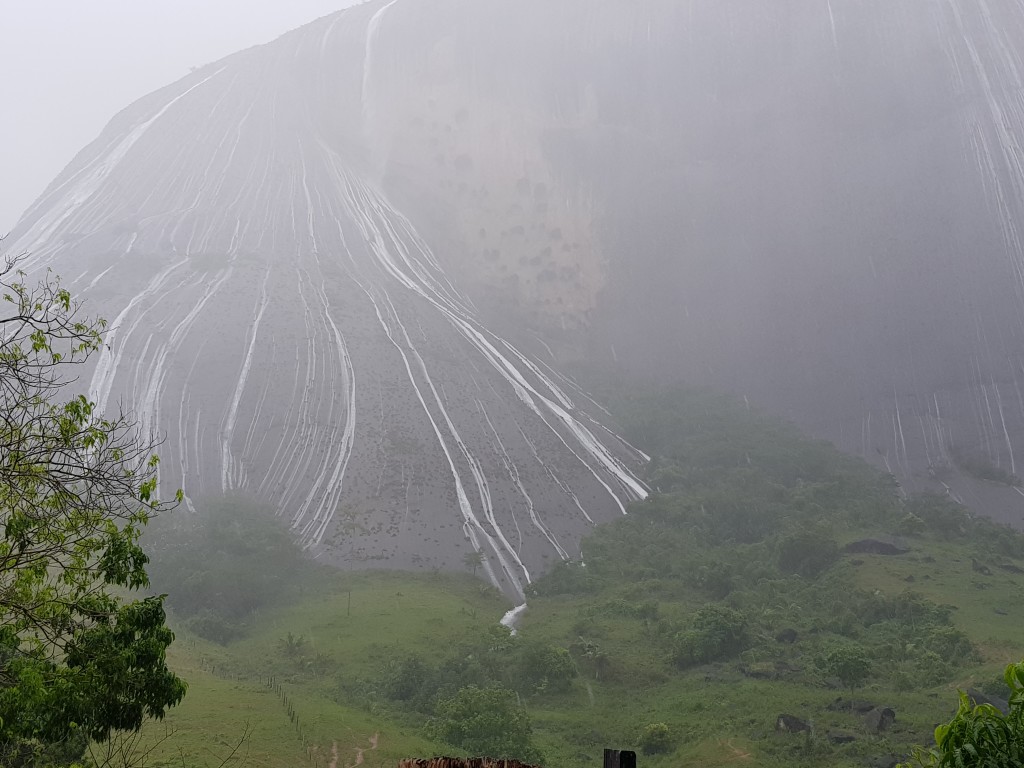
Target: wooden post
{"points": [[619, 758]]}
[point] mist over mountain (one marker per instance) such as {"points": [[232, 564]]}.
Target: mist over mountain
{"points": [[345, 271], [813, 204]]}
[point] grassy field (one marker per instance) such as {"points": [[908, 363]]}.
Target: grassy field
{"points": [[353, 621], [719, 715]]}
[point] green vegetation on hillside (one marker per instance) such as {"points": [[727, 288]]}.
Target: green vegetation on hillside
{"points": [[224, 564], [729, 598], [297, 685], [733, 577]]}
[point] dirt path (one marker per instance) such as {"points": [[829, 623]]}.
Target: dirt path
{"points": [[334, 756], [359, 752], [737, 753]]}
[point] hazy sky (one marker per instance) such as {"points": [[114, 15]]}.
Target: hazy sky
{"points": [[67, 66]]}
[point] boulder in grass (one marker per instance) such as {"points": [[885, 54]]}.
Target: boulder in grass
{"points": [[979, 697], [879, 545], [840, 737], [859, 706], [791, 724], [880, 719]]}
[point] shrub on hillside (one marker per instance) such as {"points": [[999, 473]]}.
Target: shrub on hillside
{"points": [[566, 578], [655, 739], [716, 578], [544, 667], [940, 514], [849, 663], [486, 722], [223, 563], [212, 626], [715, 632], [807, 552], [404, 679]]}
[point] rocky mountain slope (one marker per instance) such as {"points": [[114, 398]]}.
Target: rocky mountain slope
{"points": [[815, 204], [295, 337], [344, 269]]}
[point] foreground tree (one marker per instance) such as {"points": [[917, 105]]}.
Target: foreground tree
{"points": [[980, 736], [78, 660]]}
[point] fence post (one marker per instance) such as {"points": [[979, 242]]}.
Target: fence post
{"points": [[619, 758]]}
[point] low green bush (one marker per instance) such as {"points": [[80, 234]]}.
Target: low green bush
{"points": [[715, 632]]}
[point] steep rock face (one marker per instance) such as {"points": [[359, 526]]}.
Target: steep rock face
{"points": [[815, 203], [313, 251], [297, 340]]}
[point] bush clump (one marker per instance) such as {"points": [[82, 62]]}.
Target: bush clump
{"points": [[486, 722], [715, 632], [807, 553], [656, 739], [223, 563]]}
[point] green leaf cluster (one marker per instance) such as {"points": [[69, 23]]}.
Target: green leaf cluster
{"points": [[77, 657], [656, 738], [979, 735]]}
